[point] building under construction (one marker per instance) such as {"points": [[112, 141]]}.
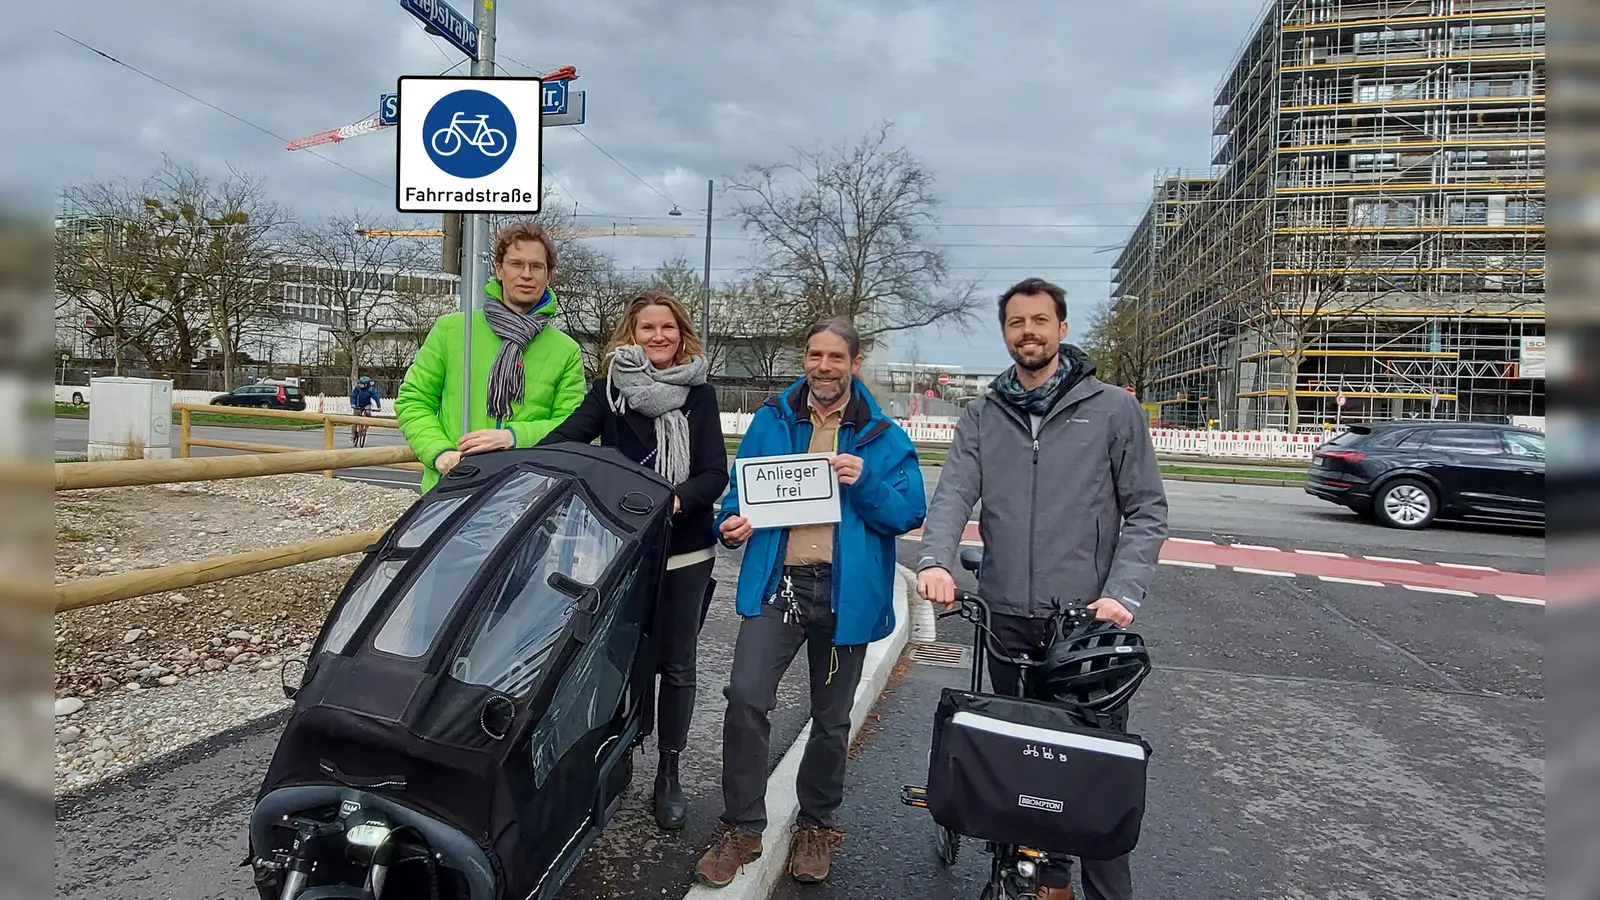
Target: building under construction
{"points": [[1371, 228]]}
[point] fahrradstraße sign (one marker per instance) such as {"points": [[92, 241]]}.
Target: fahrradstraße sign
{"points": [[469, 145]]}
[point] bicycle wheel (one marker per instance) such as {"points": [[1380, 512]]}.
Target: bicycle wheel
{"points": [[446, 141], [494, 142], [947, 844]]}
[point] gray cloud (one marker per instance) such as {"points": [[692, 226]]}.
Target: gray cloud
{"points": [[1012, 104]]}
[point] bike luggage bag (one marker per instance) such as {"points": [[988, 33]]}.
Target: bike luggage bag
{"points": [[1027, 773]]}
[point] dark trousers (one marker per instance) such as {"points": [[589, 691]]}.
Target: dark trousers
{"points": [[767, 644], [1110, 879], [680, 611]]}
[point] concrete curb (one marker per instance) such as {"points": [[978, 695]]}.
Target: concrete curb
{"points": [[757, 880]]}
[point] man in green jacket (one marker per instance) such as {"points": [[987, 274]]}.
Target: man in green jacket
{"points": [[527, 375]]}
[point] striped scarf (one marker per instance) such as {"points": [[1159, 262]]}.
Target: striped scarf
{"points": [[515, 331]]}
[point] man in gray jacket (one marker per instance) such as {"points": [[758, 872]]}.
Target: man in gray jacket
{"points": [[1073, 508]]}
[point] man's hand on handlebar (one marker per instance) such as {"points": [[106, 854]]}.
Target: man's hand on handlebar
{"points": [[937, 585], [1112, 611]]}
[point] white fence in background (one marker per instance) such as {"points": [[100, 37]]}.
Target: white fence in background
{"points": [[1256, 445]]}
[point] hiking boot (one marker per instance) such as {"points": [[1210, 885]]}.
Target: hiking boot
{"points": [[812, 852], [734, 848]]}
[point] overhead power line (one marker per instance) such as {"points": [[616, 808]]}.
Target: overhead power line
{"points": [[238, 118]]}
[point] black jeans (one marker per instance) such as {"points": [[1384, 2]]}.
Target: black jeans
{"points": [[679, 614], [1110, 879], [767, 644]]}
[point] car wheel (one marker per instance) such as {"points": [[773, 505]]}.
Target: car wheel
{"points": [[1406, 503]]}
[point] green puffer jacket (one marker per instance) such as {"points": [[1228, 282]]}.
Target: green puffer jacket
{"points": [[428, 404]]}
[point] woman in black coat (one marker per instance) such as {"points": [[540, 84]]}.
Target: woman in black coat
{"points": [[654, 405]]}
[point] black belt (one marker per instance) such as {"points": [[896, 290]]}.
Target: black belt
{"points": [[810, 570]]}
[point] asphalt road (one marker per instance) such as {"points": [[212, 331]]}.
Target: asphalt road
{"points": [[1309, 742]]}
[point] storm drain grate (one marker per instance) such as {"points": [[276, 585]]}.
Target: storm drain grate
{"points": [[952, 656]]}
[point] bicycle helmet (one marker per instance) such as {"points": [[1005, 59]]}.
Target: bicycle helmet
{"points": [[1096, 665]]}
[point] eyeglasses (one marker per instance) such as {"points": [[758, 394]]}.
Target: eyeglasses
{"points": [[519, 266]]}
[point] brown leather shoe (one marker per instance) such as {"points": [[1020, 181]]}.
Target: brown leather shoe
{"points": [[733, 849], [811, 852], [1049, 893]]}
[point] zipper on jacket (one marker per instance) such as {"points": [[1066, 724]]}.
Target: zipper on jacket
{"points": [[1033, 513]]}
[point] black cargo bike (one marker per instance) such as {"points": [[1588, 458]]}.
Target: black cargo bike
{"points": [[463, 727]]}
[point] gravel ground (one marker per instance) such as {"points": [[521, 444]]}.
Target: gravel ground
{"points": [[145, 676]]}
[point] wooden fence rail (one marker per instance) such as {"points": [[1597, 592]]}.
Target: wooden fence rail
{"points": [[111, 588]]}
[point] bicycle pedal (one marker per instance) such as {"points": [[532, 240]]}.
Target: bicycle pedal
{"points": [[914, 795]]}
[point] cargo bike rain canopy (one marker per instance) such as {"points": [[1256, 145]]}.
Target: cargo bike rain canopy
{"points": [[484, 663]]}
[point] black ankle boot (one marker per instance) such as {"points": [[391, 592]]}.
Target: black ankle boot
{"points": [[672, 808]]}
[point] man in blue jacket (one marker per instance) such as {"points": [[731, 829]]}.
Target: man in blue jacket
{"points": [[828, 587]]}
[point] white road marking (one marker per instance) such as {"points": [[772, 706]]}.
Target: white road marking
{"points": [[1188, 565], [1425, 589], [1450, 565], [1528, 600], [1391, 559], [1263, 572], [1254, 547], [1361, 581], [1330, 553], [1179, 540]]}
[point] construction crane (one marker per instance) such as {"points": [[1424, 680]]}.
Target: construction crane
{"points": [[373, 122]]}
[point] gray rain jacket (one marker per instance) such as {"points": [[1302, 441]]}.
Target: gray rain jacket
{"points": [[1073, 514]]}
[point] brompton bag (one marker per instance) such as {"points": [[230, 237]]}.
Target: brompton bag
{"points": [[1028, 773]]}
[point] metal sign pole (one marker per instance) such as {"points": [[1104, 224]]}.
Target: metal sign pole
{"points": [[475, 226]]}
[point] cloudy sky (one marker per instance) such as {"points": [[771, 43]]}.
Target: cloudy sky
{"points": [[1044, 122]]}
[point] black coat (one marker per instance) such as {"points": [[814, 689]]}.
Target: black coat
{"points": [[635, 436]]}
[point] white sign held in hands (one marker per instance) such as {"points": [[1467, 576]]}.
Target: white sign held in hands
{"points": [[783, 491]]}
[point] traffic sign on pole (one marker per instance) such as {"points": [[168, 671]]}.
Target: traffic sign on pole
{"points": [[442, 19], [944, 378], [1339, 399], [468, 144]]}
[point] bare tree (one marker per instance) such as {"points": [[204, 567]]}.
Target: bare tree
{"points": [[1120, 340], [1337, 276], [753, 325], [843, 232], [102, 272], [359, 274]]}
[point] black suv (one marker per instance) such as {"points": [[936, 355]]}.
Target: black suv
{"points": [[1406, 474], [265, 395]]}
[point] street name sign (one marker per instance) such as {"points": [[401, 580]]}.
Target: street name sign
{"points": [[784, 491], [469, 145], [388, 109], [572, 115], [554, 101], [443, 19]]}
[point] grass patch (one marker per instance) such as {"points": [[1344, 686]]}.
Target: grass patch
{"points": [[1266, 474], [68, 411], [69, 533]]}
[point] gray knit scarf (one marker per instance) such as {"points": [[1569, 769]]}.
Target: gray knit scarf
{"points": [[659, 394], [516, 331]]}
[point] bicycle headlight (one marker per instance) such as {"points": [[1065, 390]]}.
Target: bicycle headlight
{"points": [[365, 841]]}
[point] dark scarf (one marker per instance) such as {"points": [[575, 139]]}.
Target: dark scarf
{"points": [[1038, 401], [516, 331]]}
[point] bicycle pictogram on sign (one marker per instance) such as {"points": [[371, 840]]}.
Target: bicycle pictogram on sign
{"points": [[469, 134]]}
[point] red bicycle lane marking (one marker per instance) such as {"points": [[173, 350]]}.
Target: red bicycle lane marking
{"points": [[1421, 575]]}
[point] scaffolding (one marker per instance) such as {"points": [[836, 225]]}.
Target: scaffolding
{"points": [[1373, 224]]}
